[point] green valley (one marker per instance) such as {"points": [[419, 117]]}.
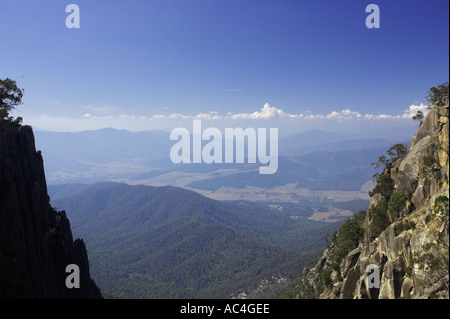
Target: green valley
{"points": [[168, 242]]}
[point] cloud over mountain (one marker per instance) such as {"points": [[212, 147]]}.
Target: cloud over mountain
{"points": [[268, 112]]}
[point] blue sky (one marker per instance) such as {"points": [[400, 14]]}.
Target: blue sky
{"points": [[292, 64]]}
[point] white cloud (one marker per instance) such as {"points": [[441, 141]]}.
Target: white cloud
{"points": [[346, 114], [407, 114], [173, 116], [268, 112], [311, 116], [207, 116], [136, 122]]}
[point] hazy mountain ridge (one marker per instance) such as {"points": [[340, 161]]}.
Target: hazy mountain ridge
{"points": [[119, 155], [317, 171]]}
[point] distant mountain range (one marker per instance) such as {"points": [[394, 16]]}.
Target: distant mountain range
{"points": [[314, 159], [341, 170], [317, 140], [168, 242], [81, 150]]}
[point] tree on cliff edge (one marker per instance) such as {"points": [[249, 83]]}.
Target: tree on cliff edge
{"points": [[10, 97], [438, 95]]}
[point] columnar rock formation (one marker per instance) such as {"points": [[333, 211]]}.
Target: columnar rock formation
{"points": [[36, 243]]}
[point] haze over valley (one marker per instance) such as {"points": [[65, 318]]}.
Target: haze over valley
{"points": [[223, 149], [127, 200]]}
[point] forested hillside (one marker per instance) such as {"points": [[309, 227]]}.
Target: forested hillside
{"points": [[167, 242]]}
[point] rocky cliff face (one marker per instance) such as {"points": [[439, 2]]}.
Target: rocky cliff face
{"points": [[411, 250], [36, 243]]}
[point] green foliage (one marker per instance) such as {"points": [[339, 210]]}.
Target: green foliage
{"points": [[434, 261], [438, 95], [441, 206], [10, 97], [166, 242], [384, 163], [396, 205], [325, 276], [403, 226], [360, 217], [428, 160], [347, 238], [379, 217], [384, 186], [418, 117], [51, 236], [397, 151], [394, 152], [303, 290]]}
